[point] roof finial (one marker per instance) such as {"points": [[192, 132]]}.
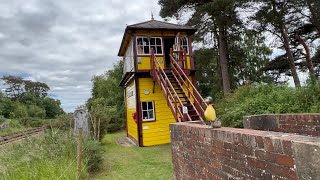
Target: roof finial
{"points": [[152, 18]]}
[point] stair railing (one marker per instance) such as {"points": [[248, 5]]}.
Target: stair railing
{"points": [[191, 90], [173, 100]]}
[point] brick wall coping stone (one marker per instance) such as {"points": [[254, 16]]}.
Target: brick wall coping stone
{"points": [[304, 151]]}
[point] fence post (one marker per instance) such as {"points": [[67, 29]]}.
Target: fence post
{"points": [[81, 124], [79, 154]]}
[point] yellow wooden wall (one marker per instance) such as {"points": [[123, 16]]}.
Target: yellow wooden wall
{"points": [[145, 63], [131, 107], [156, 132]]}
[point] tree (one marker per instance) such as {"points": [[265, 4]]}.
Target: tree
{"points": [[207, 73], [222, 17], [298, 36], [15, 86], [251, 56], [31, 95], [314, 6], [107, 97], [36, 111], [272, 17], [52, 107], [39, 89]]}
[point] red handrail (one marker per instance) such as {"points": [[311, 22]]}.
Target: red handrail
{"points": [[177, 70], [165, 84]]}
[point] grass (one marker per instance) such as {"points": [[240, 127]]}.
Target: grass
{"points": [[50, 157], [14, 127], [134, 162], [11, 130]]}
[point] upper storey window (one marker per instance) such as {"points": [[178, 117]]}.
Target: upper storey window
{"points": [[145, 44], [183, 43]]}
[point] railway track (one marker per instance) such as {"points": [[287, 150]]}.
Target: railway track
{"points": [[19, 135]]}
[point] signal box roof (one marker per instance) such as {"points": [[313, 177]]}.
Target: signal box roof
{"points": [[159, 25], [153, 25]]}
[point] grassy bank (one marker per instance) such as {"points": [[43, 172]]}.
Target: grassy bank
{"points": [[134, 162], [51, 157]]}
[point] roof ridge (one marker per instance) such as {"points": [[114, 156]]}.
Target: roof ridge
{"points": [[172, 24], [140, 23]]}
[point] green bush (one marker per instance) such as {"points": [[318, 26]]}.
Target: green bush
{"points": [[33, 122], [36, 111], [62, 122], [15, 123], [2, 119], [93, 155], [268, 99], [20, 111]]}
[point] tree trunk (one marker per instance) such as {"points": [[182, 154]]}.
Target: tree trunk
{"points": [[224, 65], [308, 56], [98, 136], [314, 20], [290, 57], [95, 128], [286, 43]]}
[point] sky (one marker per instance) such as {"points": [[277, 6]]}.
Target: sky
{"points": [[64, 43]]}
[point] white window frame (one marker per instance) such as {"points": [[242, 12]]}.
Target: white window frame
{"points": [[153, 110], [161, 45], [183, 45]]}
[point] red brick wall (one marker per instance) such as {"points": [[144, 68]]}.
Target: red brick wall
{"points": [[303, 124], [228, 153]]}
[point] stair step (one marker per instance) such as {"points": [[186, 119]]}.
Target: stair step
{"points": [[194, 117], [188, 105], [178, 92]]}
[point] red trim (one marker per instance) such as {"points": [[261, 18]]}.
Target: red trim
{"points": [[140, 134], [135, 55], [148, 55], [191, 54], [126, 108]]}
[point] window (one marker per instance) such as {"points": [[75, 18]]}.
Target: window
{"points": [[184, 43], [148, 111], [144, 45]]}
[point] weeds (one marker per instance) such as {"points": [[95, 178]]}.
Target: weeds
{"points": [[52, 156]]}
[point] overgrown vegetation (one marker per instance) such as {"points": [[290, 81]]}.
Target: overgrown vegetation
{"points": [[51, 156], [107, 102], [268, 99]]}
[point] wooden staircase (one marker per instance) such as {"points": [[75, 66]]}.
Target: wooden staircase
{"points": [[182, 97]]}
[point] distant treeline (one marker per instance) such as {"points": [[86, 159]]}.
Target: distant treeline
{"points": [[24, 98]]}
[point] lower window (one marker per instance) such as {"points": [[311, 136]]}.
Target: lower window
{"points": [[148, 111]]}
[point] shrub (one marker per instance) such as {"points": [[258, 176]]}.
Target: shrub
{"points": [[33, 122], [268, 99], [62, 122], [36, 111], [93, 155], [2, 119], [20, 111]]}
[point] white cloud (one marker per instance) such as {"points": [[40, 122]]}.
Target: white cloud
{"points": [[64, 43]]}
